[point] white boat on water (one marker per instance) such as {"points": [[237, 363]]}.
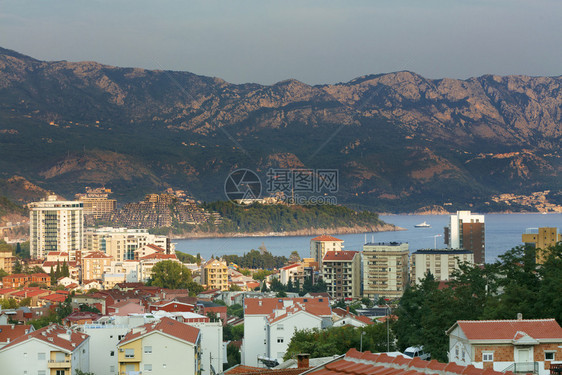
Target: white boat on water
{"points": [[422, 225]]}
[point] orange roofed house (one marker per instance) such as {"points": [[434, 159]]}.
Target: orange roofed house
{"points": [[269, 324], [367, 363], [520, 346]]}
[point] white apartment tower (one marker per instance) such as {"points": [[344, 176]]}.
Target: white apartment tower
{"points": [[56, 226], [467, 231]]}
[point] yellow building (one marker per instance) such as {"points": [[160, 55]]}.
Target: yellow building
{"points": [[385, 269], [541, 238], [7, 259], [164, 347], [214, 274], [93, 265], [320, 245]]}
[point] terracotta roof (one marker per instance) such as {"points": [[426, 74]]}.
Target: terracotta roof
{"points": [[367, 363], [10, 332], [55, 297], [157, 248], [53, 334], [290, 266], [339, 256], [508, 329], [80, 315], [289, 311], [97, 255], [40, 275], [249, 370], [30, 293], [158, 256], [326, 237], [167, 326], [266, 306], [344, 313]]}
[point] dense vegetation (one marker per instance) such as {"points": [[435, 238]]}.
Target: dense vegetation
{"points": [[278, 218], [514, 284], [256, 259], [338, 340], [173, 275], [9, 207]]}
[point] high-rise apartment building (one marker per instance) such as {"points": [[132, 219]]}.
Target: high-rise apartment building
{"points": [[96, 202], [56, 226], [385, 269], [320, 245], [467, 231], [541, 238], [341, 271], [440, 263], [121, 243]]}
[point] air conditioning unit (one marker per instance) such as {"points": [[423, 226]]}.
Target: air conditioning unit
{"points": [[121, 350]]}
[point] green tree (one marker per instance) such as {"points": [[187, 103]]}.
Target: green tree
{"points": [[64, 271], [234, 288], [171, 275], [235, 310], [18, 267], [232, 356]]}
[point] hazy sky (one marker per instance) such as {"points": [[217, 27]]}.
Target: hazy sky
{"points": [[319, 41]]}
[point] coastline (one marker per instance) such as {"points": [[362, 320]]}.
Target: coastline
{"points": [[302, 232]]}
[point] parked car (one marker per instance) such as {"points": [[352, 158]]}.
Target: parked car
{"points": [[417, 351]]}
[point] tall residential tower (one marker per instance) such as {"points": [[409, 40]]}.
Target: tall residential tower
{"points": [[56, 226], [467, 231]]}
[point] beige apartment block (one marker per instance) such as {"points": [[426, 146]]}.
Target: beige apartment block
{"points": [[385, 269], [214, 274], [94, 264], [440, 263], [320, 245], [341, 271], [541, 238]]}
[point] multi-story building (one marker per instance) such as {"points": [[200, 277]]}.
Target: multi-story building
{"points": [[541, 238], [341, 271], [320, 245], [385, 269], [269, 324], [520, 346], [214, 274], [56, 226], [164, 347], [96, 202], [440, 263], [122, 243], [298, 272], [51, 350], [7, 260], [94, 264], [467, 231]]}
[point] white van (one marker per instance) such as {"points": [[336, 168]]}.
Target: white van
{"points": [[417, 351]]}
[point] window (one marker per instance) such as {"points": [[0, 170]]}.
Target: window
{"points": [[129, 353], [488, 357], [147, 367], [60, 372], [549, 356], [280, 327], [148, 349], [41, 372], [280, 340], [41, 356], [112, 353], [111, 368]]}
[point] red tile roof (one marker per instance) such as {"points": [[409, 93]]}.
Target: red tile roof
{"points": [[10, 332], [97, 255], [248, 370], [266, 306], [344, 313], [339, 256], [508, 329], [53, 334], [159, 256], [367, 363], [167, 326], [157, 248], [55, 297], [325, 237], [290, 266]]}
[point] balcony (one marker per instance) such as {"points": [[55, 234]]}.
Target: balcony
{"points": [[523, 368], [53, 363]]}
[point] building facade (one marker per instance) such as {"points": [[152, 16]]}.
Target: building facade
{"points": [[214, 274], [520, 346], [122, 243], [467, 231], [94, 264], [385, 269], [541, 238], [96, 202], [320, 245], [341, 271], [440, 263], [56, 226]]}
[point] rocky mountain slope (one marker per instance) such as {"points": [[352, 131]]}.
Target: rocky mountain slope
{"points": [[400, 141]]}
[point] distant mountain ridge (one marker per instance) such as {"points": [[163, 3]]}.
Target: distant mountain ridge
{"points": [[399, 140]]}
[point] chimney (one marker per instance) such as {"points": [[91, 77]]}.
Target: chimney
{"points": [[347, 309], [519, 316], [303, 360]]}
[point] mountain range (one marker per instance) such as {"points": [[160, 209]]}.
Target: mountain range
{"points": [[399, 141]]}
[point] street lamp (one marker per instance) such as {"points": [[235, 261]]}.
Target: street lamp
{"points": [[363, 333]]}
